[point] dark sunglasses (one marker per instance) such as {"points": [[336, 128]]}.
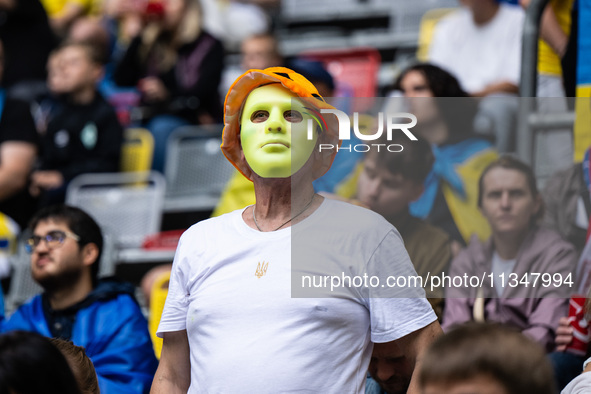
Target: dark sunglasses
{"points": [[53, 239]]}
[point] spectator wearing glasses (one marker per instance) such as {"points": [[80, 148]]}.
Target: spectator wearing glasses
{"points": [[100, 315]]}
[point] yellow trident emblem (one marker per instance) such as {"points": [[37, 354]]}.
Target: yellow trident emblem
{"points": [[261, 269]]}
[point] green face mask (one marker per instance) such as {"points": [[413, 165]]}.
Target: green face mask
{"points": [[269, 146]]}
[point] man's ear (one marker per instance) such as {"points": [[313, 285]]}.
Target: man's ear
{"points": [[90, 253]]}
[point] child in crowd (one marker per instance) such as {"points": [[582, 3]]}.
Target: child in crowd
{"points": [[80, 130]]}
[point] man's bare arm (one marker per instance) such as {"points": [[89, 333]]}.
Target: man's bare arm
{"points": [[17, 162], [498, 87], [550, 30], [174, 370], [552, 33], [414, 345]]}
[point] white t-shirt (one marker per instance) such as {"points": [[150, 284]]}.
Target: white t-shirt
{"points": [[231, 289], [480, 55], [579, 385], [501, 268]]}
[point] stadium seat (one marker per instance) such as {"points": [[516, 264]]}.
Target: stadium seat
{"points": [[157, 299], [137, 150]]}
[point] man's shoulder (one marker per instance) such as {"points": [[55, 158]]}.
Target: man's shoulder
{"points": [[111, 294], [120, 310], [32, 303], [209, 225], [511, 11], [427, 231], [454, 20], [539, 243], [564, 180], [25, 316], [123, 303], [344, 216], [547, 241], [347, 208]]}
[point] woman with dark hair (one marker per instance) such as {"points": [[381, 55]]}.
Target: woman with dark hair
{"points": [[454, 111], [30, 364], [439, 82], [445, 117]]}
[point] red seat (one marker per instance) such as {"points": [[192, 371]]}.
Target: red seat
{"points": [[355, 72], [164, 240]]}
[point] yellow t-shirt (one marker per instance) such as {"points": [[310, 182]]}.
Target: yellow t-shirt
{"points": [[548, 60], [53, 7]]}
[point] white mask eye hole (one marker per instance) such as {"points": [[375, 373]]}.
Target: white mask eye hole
{"points": [[293, 116], [259, 116]]}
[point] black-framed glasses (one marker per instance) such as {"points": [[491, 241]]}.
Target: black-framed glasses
{"points": [[53, 239]]}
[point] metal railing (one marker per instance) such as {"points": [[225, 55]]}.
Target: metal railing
{"points": [[528, 120]]}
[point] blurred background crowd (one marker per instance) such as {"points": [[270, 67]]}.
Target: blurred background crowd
{"points": [[115, 106]]}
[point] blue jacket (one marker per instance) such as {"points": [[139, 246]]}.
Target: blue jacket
{"points": [[372, 387], [109, 325]]}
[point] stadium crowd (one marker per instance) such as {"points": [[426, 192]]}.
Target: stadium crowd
{"points": [[457, 202]]}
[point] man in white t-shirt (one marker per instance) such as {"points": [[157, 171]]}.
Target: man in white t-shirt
{"points": [[276, 297], [481, 45]]}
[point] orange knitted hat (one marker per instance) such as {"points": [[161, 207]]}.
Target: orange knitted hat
{"points": [[237, 95]]}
